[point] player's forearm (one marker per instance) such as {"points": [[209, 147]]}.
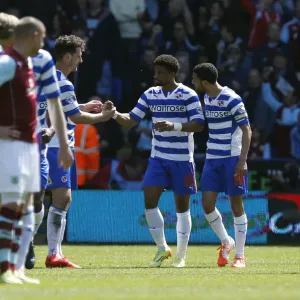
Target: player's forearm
{"points": [[125, 120], [246, 140], [87, 118], [57, 120], [192, 126]]}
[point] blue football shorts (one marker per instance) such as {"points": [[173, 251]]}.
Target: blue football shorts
{"points": [[177, 175], [218, 176], [58, 177]]}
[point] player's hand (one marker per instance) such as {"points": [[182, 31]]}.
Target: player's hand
{"points": [[7, 132], [93, 106], [108, 114], [163, 126], [47, 135], [240, 172], [108, 105], [65, 157]]}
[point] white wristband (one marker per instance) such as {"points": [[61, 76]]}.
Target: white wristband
{"points": [[177, 126], [115, 115]]}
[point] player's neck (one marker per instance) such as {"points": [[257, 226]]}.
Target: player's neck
{"points": [[22, 50], [63, 69], [171, 86], [215, 90]]}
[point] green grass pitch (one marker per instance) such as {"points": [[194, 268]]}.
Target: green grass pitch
{"points": [[120, 272]]}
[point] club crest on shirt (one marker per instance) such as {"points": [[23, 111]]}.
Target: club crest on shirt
{"points": [[179, 96], [220, 103], [64, 179]]}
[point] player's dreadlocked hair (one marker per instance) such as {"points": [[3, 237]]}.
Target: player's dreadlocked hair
{"points": [[167, 61], [206, 72], [8, 24], [68, 44]]}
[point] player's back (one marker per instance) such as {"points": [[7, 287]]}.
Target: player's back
{"points": [[224, 114], [179, 106], [45, 76], [70, 107]]}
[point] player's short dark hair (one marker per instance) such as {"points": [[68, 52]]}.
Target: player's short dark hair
{"points": [[167, 61], [206, 71], [27, 26], [8, 25], [68, 44]]}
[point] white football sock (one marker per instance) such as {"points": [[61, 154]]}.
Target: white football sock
{"points": [[61, 238], [26, 237], [54, 227], [215, 221], [240, 228], [155, 222], [38, 220], [183, 228]]}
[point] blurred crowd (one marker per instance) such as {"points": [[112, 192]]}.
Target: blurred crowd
{"points": [[255, 45]]}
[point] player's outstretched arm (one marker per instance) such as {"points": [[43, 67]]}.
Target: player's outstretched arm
{"points": [[191, 126], [88, 118], [125, 120]]}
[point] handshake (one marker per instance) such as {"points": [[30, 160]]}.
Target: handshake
{"points": [[107, 109]]}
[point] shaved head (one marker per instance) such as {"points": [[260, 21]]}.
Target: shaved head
{"points": [[27, 26]]}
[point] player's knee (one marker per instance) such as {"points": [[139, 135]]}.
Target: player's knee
{"points": [[208, 206]]}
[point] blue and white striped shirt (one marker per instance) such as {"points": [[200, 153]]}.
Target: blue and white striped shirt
{"points": [[70, 107], [180, 106], [45, 75], [224, 114]]}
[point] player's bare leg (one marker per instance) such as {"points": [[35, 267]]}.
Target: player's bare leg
{"points": [[214, 219], [25, 239], [183, 228], [10, 222], [38, 199], [155, 222], [240, 228], [56, 225]]}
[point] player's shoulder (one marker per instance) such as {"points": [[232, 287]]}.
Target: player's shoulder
{"points": [[42, 58], [152, 93], [186, 91], [229, 95], [63, 80]]}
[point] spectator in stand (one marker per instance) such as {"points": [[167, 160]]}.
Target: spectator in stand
{"points": [[173, 11], [251, 97], [231, 72], [180, 42], [264, 54], [184, 73], [129, 15], [285, 8], [290, 30], [147, 69], [103, 46], [287, 113], [295, 140], [258, 149], [228, 37], [261, 16], [125, 174]]}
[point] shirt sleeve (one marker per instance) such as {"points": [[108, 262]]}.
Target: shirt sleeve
{"points": [[69, 101], [7, 69], [139, 111], [238, 111], [48, 80], [194, 109]]}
